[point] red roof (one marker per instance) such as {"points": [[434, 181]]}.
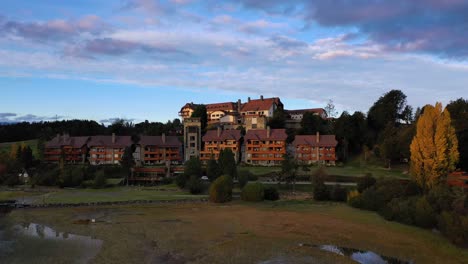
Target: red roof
{"points": [[106, 141], [189, 105], [60, 141], [311, 140], [260, 104], [171, 141], [228, 106], [261, 134], [212, 135]]}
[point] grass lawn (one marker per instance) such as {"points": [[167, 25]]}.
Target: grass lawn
{"points": [[260, 171], [231, 233], [31, 143]]}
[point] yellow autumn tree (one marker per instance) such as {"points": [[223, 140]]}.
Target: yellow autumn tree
{"points": [[434, 149], [13, 151]]}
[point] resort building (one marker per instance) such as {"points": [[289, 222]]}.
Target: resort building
{"points": [[294, 117], [158, 150], [265, 147], [192, 137], [216, 112], [73, 150], [317, 148], [187, 110], [261, 107], [217, 140], [107, 149]]}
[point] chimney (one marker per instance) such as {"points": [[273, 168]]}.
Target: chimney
{"points": [[318, 137], [248, 99], [239, 104], [268, 131], [113, 138], [261, 97], [163, 138], [219, 131]]}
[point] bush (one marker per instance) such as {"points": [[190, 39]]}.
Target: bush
{"points": [[221, 190], [338, 193], [12, 180], [441, 198], [352, 194], [243, 176], [399, 209], [321, 192], [366, 182], [424, 215], [72, 177], [166, 180], [100, 180], [195, 185], [181, 180], [454, 226], [253, 192], [271, 194]]}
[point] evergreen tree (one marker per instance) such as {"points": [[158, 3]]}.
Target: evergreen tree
{"points": [[212, 169], [227, 163]]}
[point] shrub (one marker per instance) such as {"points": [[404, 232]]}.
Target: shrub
{"points": [[321, 192], [271, 193], [441, 198], [100, 179], [221, 190], [12, 180], [181, 180], [454, 226], [424, 215], [352, 194], [167, 180], [195, 185], [252, 177], [243, 176], [72, 177], [399, 209], [338, 193], [366, 182], [319, 175], [253, 192]]}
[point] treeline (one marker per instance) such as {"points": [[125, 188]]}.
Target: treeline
{"points": [[385, 132], [47, 130]]}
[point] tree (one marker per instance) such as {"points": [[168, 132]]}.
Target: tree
{"points": [[289, 168], [278, 120], [27, 157], [212, 170], [193, 167], [227, 163], [459, 113], [40, 148], [127, 161], [312, 123], [330, 109], [434, 149], [200, 112], [387, 109]]}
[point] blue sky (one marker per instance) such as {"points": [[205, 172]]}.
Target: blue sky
{"points": [[144, 59]]}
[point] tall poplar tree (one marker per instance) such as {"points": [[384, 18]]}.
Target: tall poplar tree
{"points": [[434, 149]]}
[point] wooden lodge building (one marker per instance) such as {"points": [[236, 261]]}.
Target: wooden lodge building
{"points": [[107, 150], [216, 140], [317, 148], [158, 150], [265, 147], [72, 149]]}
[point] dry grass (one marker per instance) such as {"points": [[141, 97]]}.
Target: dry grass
{"points": [[243, 233]]}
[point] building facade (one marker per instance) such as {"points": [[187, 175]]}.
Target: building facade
{"points": [[265, 147], [107, 150], [158, 150], [216, 140], [73, 150], [192, 137], [311, 149]]}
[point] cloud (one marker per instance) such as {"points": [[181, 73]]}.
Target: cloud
{"points": [[15, 118], [287, 43], [53, 30], [115, 119], [427, 26]]}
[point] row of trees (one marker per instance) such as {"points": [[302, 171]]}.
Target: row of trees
{"points": [[47, 130]]}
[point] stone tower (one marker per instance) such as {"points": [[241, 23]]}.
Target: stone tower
{"points": [[192, 137]]}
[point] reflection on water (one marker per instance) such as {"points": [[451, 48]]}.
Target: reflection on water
{"points": [[39, 243], [360, 256]]}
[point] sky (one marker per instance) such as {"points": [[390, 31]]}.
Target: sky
{"points": [[144, 59]]}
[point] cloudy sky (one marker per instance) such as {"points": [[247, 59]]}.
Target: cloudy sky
{"points": [[143, 59]]}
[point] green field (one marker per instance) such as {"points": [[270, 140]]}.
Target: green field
{"points": [[114, 194], [269, 232], [31, 143]]}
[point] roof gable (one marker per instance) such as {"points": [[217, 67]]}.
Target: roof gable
{"points": [[311, 140]]}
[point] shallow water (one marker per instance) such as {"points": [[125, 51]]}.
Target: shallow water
{"points": [[35, 243], [360, 256]]}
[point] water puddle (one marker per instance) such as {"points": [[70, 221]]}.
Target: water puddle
{"points": [[35, 243], [360, 256]]}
